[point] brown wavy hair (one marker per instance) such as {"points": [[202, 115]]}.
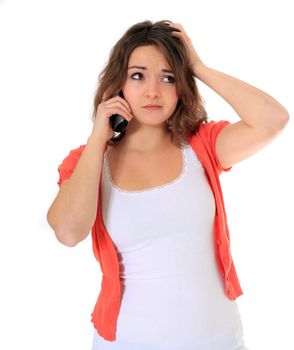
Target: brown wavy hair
{"points": [[190, 111]]}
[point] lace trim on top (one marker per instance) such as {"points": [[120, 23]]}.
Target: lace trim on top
{"points": [[174, 181]]}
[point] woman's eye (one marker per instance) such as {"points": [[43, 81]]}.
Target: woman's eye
{"points": [[136, 74], [170, 78]]}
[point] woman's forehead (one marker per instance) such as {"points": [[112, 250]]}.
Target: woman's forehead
{"points": [[143, 55]]}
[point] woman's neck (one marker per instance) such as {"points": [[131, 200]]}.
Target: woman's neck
{"points": [[145, 140]]}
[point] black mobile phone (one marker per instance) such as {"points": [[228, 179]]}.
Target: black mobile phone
{"points": [[117, 122]]}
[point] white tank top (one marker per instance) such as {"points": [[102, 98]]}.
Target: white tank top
{"points": [[173, 294]]}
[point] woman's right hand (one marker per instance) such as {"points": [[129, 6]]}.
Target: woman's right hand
{"points": [[115, 105]]}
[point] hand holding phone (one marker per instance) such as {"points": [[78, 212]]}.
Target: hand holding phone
{"points": [[112, 115]]}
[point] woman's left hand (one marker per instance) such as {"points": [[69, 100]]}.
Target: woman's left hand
{"points": [[195, 60]]}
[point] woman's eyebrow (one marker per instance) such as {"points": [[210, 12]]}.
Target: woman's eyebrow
{"points": [[141, 67]]}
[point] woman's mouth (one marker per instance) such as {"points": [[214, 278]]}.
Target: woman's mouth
{"points": [[152, 107]]}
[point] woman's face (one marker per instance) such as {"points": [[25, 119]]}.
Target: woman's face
{"points": [[150, 81]]}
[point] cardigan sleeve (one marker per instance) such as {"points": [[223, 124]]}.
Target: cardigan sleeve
{"points": [[212, 130], [66, 168]]}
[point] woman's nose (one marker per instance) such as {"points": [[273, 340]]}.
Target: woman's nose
{"points": [[152, 89]]}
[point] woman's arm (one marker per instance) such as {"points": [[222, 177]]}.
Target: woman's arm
{"points": [[262, 117], [73, 211], [255, 107]]}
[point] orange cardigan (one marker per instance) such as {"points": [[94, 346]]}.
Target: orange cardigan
{"points": [[105, 313]]}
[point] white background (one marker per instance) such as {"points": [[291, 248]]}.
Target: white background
{"points": [[51, 54]]}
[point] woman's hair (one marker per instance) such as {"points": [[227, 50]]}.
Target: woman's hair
{"points": [[190, 111]]}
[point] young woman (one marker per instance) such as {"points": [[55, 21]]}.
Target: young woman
{"points": [[151, 195]]}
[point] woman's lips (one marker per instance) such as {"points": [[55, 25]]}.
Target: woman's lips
{"points": [[152, 107]]}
